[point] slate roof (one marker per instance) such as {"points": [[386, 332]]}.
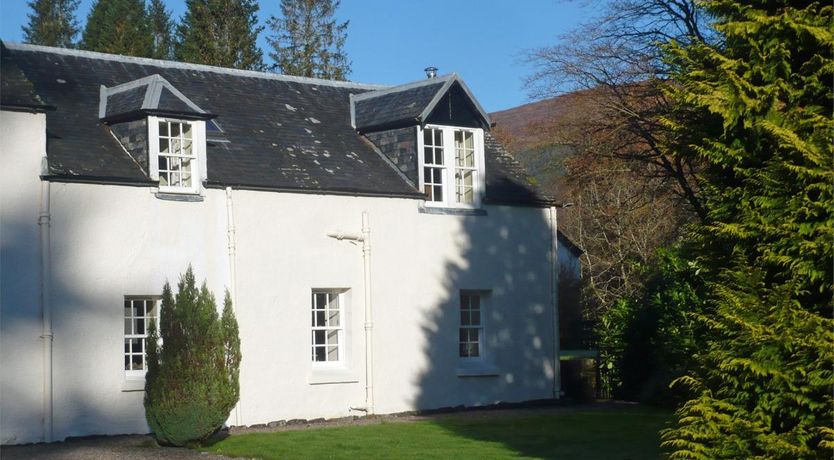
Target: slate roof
{"points": [[405, 104], [146, 96], [279, 132], [16, 91]]}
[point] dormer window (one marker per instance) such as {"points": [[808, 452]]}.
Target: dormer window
{"points": [[451, 166], [177, 153]]}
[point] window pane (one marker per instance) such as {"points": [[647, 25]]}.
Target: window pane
{"points": [[127, 362], [428, 154], [476, 318], [332, 353], [464, 300], [473, 350], [320, 318], [127, 345], [438, 137], [438, 193], [127, 326], [463, 335], [163, 128], [138, 362], [333, 318], [319, 337], [186, 130], [438, 156], [140, 326], [319, 353], [427, 137], [150, 306], [138, 309], [333, 337], [186, 147], [475, 302], [464, 318], [320, 300], [164, 147], [175, 129]]}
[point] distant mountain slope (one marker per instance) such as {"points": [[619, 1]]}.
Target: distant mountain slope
{"points": [[530, 132]]}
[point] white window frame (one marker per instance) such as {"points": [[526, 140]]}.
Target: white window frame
{"points": [[339, 294], [449, 166], [198, 153], [139, 373], [479, 326]]}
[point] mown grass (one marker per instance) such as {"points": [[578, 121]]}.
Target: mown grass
{"points": [[622, 433]]}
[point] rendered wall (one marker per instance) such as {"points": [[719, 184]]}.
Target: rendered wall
{"points": [[112, 241], [22, 145]]}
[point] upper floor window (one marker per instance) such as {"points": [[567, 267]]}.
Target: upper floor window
{"points": [[177, 154], [451, 166]]}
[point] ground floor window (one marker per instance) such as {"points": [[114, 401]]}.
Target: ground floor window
{"points": [[138, 313], [327, 326], [470, 344]]}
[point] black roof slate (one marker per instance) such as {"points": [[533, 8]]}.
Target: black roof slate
{"points": [[395, 108], [16, 91], [279, 132]]}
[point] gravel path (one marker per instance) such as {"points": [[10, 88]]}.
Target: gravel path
{"points": [[129, 447]]}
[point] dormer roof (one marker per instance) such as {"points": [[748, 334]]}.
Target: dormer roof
{"points": [[409, 104], [151, 95]]}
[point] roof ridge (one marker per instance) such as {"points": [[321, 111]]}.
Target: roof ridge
{"points": [[404, 87], [189, 66]]}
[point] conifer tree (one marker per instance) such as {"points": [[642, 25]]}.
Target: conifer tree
{"points": [[162, 28], [118, 27], [52, 23], [763, 98], [192, 379], [220, 32], [307, 41]]}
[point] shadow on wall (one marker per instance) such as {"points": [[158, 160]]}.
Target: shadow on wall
{"points": [[78, 408], [505, 263]]}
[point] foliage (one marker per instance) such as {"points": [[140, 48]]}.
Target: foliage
{"points": [[648, 340], [629, 432], [192, 380], [162, 26], [616, 58], [118, 27], [52, 23], [763, 98], [308, 42], [221, 33]]}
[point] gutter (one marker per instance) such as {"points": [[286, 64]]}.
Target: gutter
{"points": [[365, 239]]}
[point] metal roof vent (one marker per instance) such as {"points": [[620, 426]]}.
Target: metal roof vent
{"points": [[431, 72]]}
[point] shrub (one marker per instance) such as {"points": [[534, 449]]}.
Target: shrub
{"points": [[192, 380]]}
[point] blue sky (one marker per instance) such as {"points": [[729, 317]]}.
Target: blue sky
{"points": [[392, 41]]}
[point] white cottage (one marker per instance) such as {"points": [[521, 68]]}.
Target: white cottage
{"points": [[384, 253]]}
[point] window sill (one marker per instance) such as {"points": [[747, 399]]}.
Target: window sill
{"points": [[477, 370], [452, 211], [133, 384], [328, 376], [179, 196]]}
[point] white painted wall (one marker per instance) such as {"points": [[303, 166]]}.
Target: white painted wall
{"points": [[111, 241], [22, 145]]}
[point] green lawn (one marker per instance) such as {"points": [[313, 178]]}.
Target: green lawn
{"points": [[621, 433]]}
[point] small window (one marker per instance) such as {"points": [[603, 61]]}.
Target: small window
{"points": [[177, 154], [471, 326], [451, 166], [327, 327], [138, 313]]}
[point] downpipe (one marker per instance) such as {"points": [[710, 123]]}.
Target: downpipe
{"points": [[365, 238], [554, 294], [44, 227], [230, 236]]}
